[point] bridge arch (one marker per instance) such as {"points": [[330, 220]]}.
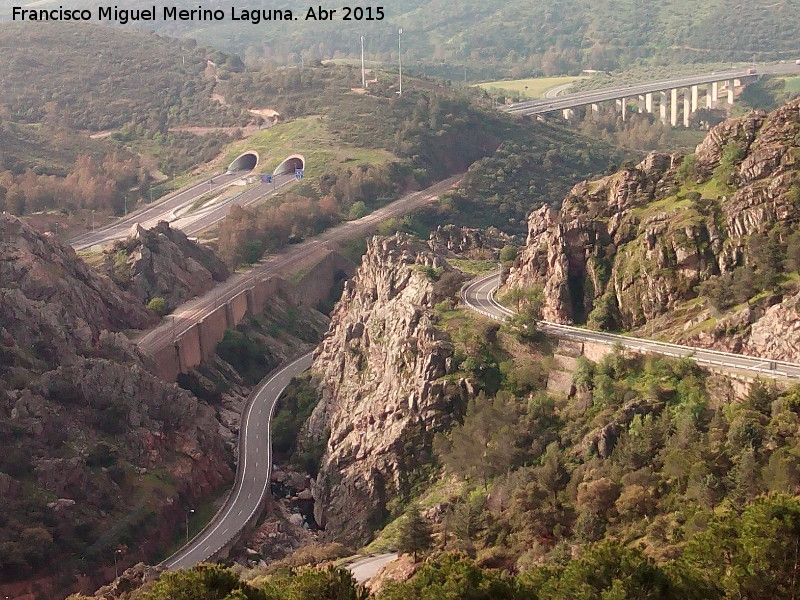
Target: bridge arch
{"points": [[288, 166], [247, 161]]}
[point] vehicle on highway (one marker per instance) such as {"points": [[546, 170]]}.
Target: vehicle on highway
{"points": [[797, 62], [751, 71]]}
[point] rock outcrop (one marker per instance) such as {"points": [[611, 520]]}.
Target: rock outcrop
{"points": [[630, 248], [163, 263], [382, 368], [51, 303], [451, 240], [94, 450]]}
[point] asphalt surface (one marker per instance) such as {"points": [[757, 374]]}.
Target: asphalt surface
{"points": [[534, 107], [185, 316], [366, 568], [175, 209], [255, 443], [252, 473], [479, 296]]}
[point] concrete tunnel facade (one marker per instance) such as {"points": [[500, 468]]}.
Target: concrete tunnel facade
{"points": [[288, 166], [246, 161]]}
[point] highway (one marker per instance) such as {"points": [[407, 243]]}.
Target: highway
{"points": [[252, 474], [478, 295], [255, 446], [189, 313], [534, 107], [175, 209]]}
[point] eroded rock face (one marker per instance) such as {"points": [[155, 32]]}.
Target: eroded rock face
{"points": [[51, 303], [162, 262], [633, 245], [380, 367], [103, 447], [452, 240]]}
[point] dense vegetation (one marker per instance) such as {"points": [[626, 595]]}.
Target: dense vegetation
{"points": [[490, 36], [536, 167], [97, 78], [434, 131], [745, 555]]}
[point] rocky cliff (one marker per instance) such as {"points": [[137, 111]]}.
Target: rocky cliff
{"points": [[675, 243], [381, 367], [95, 453], [163, 262]]}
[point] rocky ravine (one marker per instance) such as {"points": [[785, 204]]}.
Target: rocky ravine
{"points": [[381, 366], [629, 250], [94, 451], [163, 263]]}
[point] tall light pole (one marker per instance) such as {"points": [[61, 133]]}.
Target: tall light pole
{"points": [[92, 219], [400, 59], [363, 72], [116, 569], [188, 512]]}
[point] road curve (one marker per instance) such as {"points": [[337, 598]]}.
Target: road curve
{"points": [[366, 568], [533, 107], [252, 473], [478, 295]]}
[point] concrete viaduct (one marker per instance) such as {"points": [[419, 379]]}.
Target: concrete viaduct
{"points": [[669, 98]]}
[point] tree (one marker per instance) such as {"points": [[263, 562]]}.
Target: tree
{"points": [[508, 253], [415, 533], [358, 210], [201, 583], [158, 305], [15, 201], [753, 554]]}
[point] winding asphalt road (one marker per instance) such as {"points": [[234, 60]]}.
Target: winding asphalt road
{"points": [[252, 474], [255, 446], [478, 295], [534, 107]]}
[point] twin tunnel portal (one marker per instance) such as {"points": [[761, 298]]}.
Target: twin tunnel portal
{"points": [[249, 160]]}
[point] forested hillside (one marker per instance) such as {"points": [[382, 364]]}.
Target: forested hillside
{"points": [[491, 36]]}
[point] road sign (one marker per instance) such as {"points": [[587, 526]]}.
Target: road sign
{"points": [[298, 173]]}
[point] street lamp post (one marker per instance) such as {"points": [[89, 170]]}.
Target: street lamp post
{"points": [[188, 512], [400, 59], [363, 73], [116, 568], [92, 220]]}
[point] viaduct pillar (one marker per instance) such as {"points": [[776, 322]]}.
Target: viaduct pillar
{"points": [[715, 91], [673, 107], [695, 98], [687, 106], [641, 103], [731, 88], [709, 102], [624, 108], [662, 106]]}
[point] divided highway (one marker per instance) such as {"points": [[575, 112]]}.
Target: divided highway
{"points": [[252, 474], [191, 312], [478, 295], [255, 444], [175, 209], [533, 107]]}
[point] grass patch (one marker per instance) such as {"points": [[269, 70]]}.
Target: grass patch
{"points": [[473, 267], [534, 87], [311, 137]]}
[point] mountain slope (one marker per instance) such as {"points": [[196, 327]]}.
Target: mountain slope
{"points": [[96, 454], [691, 248]]}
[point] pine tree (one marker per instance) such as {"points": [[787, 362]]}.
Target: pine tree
{"points": [[415, 533]]}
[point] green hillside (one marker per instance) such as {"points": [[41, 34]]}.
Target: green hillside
{"points": [[487, 36]]}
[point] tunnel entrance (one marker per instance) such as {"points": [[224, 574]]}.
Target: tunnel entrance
{"points": [[288, 166], [246, 162]]}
